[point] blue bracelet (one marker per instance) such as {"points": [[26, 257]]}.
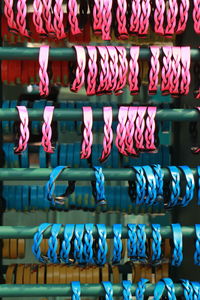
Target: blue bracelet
{"points": [[188, 289], [159, 180], [117, 243], [140, 290], [189, 188], [175, 187], [198, 185], [66, 243], [108, 290], [37, 239], [151, 192], [141, 242], [102, 244], [132, 242], [126, 290], [78, 243], [170, 288], [156, 243], [98, 189], [88, 244], [197, 245], [137, 189], [53, 243], [76, 290], [196, 290], [177, 255], [159, 290]]}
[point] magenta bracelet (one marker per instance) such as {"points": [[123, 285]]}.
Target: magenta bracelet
{"points": [[113, 68], [135, 17], [108, 133], [121, 19], [44, 78], [196, 16], [86, 148], [79, 80], [92, 71], [130, 129], [21, 18], [154, 69], [183, 16], [122, 70], [175, 72], [150, 129], [159, 12], [46, 129], [106, 19], [37, 17], [24, 130], [144, 17], [9, 13], [185, 71], [166, 70], [47, 17], [133, 79], [171, 18], [98, 17], [121, 130], [140, 126], [196, 150], [72, 6], [104, 70], [58, 20]]}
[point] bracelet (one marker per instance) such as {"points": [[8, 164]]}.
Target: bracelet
{"points": [[117, 242], [37, 239], [183, 16], [177, 255], [98, 189], [135, 17], [87, 132], [196, 290], [132, 242], [79, 74], [197, 245], [66, 243], [43, 73], [171, 18], [166, 70], [170, 288], [159, 18], [23, 130], [190, 185], [140, 290], [107, 285], [122, 70], [188, 289], [150, 128], [159, 180], [159, 290], [130, 129], [141, 242], [156, 243], [121, 129], [151, 194], [47, 16], [144, 17], [46, 129], [37, 17], [113, 68], [185, 70], [92, 70], [76, 290], [126, 290], [102, 245], [21, 17], [108, 133], [58, 19], [154, 69], [195, 15], [176, 71], [137, 188], [9, 13], [104, 72], [133, 77], [174, 187], [106, 19], [53, 244], [88, 244], [78, 243], [97, 16], [72, 7], [140, 126], [121, 19]]}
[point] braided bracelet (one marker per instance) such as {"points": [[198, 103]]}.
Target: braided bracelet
{"points": [[98, 189], [141, 242], [150, 129], [140, 290], [188, 289], [137, 188], [189, 188], [197, 245], [106, 19], [53, 244], [37, 239], [21, 17], [72, 7], [92, 71], [156, 243], [107, 285], [133, 77], [177, 255], [9, 13], [140, 126], [159, 180], [37, 17], [43, 74], [121, 19], [47, 17], [102, 244], [132, 242], [166, 70], [176, 71], [144, 17], [121, 130], [46, 129], [154, 69], [171, 18], [174, 187], [196, 290], [79, 74], [66, 243], [135, 15], [196, 16], [122, 70], [76, 290], [183, 16], [24, 130], [58, 19], [86, 148], [185, 70], [97, 16], [151, 194], [130, 129], [88, 244], [159, 18], [170, 288], [158, 290], [113, 69], [108, 133], [104, 70], [117, 242], [78, 243]]}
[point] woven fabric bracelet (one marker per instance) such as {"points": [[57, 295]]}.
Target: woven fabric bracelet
{"points": [[121, 130], [151, 192], [188, 289], [130, 129], [140, 290], [144, 17], [166, 70], [113, 69], [43, 74], [122, 70], [53, 244], [156, 243], [196, 290], [92, 70], [86, 147], [76, 290], [9, 13], [183, 16], [197, 245], [88, 244], [37, 239], [196, 150], [21, 18], [126, 290], [149, 133], [108, 133], [158, 290], [141, 242], [72, 7], [58, 20], [107, 285], [117, 242], [79, 74], [185, 71], [121, 19], [104, 70], [133, 77], [23, 130], [140, 127], [37, 17], [171, 18], [98, 189], [159, 181], [195, 15], [66, 243], [102, 245], [47, 16], [169, 285], [174, 193], [106, 19], [175, 76], [78, 243], [137, 188], [177, 255], [46, 129], [97, 17], [132, 242], [154, 70], [159, 17], [135, 17], [190, 185]]}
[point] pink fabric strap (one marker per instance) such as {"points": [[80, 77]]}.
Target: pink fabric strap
{"points": [[108, 133], [24, 131], [171, 18], [104, 70], [123, 70], [166, 70], [37, 17], [130, 129], [92, 71], [106, 19], [72, 6], [79, 80], [44, 78], [183, 15], [121, 19], [150, 129], [46, 129], [140, 126], [113, 67], [144, 17], [21, 17], [159, 13], [196, 16], [47, 17], [87, 133], [133, 78], [121, 130], [9, 13], [58, 20], [154, 69], [185, 70], [98, 16], [135, 17], [175, 72], [196, 150]]}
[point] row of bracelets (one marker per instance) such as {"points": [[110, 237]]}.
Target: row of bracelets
{"points": [[78, 245], [124, 16], [135, 132]]}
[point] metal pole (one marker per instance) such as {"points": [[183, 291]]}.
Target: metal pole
{"points": [[82, 174], [178, 115], [89, 290], [27, 232]]}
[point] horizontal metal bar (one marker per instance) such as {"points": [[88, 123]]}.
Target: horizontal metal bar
{"points": [[77, 174], [89, 290], [177, 115], [22, 53], [27, 232]]}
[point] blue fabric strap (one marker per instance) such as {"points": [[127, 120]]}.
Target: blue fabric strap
{"points": [[158, 290], [126, 290], [132, 242], [98, 188], [169, 285], [88, 244], [78, 243], [53, 243], [189, 188], [37, 239], [66, 243], [108, 290], [175, 187], [140, 290], [197, 245], [137, 188], [151, 192], [177, 255], [188, 289], [141, 242], [159, 181], [76, 290], [156, 243], [117, 242], [102, 244]]}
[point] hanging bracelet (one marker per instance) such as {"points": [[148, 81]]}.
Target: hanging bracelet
{"points": [[135, 17], [23, 129], [174, 187], [117, 242], [196, 16], [159, 17], [122, 70], [189, 188], [140, 290], [79, 73], [140, 127], [133, 77], [183, 16], [171, 18], [86, 147], [106, 19], [66, 243], [121, 129], [72, 7], [130, 129], [113, 68], [166, 70], [176, 72], [102, 245], [9, 13], [121, 19], [58, 20], [46, 129], [159, 180], [97, 17], [107, 285], [197, 245], [137, 188], [154, 69], [47, 17], [151, 194], [150, 129], [53, 244], [185, 71], [98, 189], [108, 133], [170, 288], [141, 242], [21, 18], [43, 74], [126, 290], [78, 243], [104, 70], [177, 255], [156, 243], [92, 71], [132, 242], [144, 17], [88, 244], [76, 290], [37, 239], [37, 17]]}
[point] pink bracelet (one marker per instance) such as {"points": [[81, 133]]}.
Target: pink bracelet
{"points": [[135, 17], [166, 70], [144, 17], [87, 133], [154, 69], [98, 17], [196, 150], [43, 74], [72, 16], [37, 17], [46, 129], [185, 70], [140, 126], [121, 19], [9, 13], [121, 130], [150, 129], [58, 20], [183, 16], [108, 133], [133, 79], [47, 17], [113, 66], [104, 70], [92, 71], [123, 70], [159, 16], [196, 16], [175, 71], [21, 17], [79, 80], [106, 19], [24, 130], [171, 18], [130, 129]]}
